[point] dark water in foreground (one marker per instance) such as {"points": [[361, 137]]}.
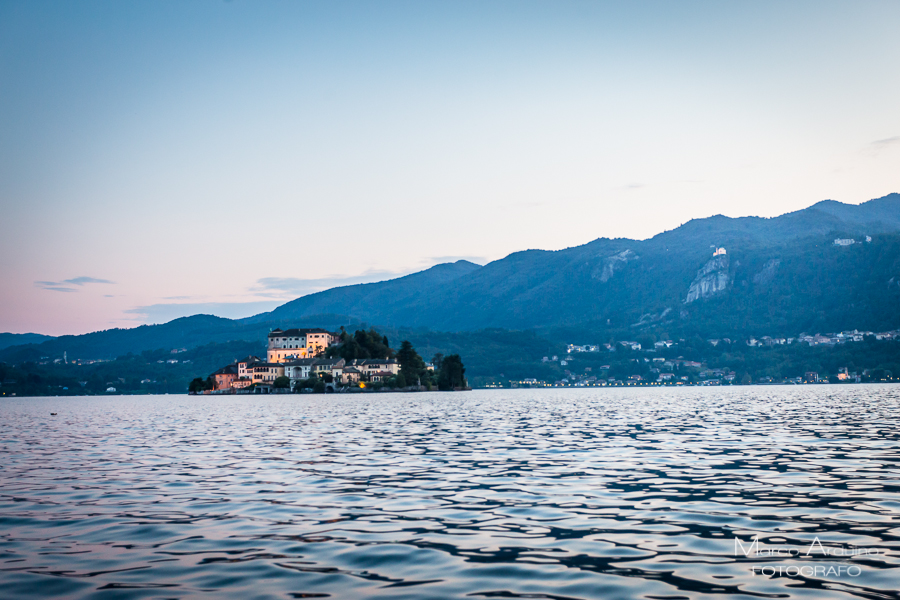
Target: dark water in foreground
{"points": [[495, 494]]}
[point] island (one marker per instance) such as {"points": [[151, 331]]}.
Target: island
{"points": [[314, 360]]}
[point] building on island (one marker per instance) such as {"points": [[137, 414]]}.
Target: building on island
{"points": [[376, 366], [225, 377], [296, 354], [329, 366], [299, 369], [245, 372], [266, 372], [350, 375], [291, 344]]}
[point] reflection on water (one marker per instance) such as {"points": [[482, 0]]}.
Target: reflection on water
{"points": [[491, 494]]}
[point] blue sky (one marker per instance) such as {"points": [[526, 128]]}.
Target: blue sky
{"points": [[165, 158]]}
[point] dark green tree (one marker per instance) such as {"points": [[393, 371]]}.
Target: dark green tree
{"points": [[399, 381], [412, 367], [362, 344], [453, 373], [282, 383]]}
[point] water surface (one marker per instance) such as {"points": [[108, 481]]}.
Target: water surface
{"points": [[599, 493]]}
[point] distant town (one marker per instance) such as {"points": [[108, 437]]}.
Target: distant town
{"points": [[663, 365]]}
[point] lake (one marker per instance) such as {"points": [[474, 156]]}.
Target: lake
{"points": [[556, 493]]}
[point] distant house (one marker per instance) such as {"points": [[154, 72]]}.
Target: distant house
{"points": [[299, 369], [379, 375], [225, 377], [331, 366], [245, 367], [370, 366], [586, 348], [266, 372], [350, 375]]}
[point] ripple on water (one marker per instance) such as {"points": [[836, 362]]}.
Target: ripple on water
{"points": [[491, 494]]}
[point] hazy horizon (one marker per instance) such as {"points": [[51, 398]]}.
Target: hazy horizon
{"points": [[159, 159]]}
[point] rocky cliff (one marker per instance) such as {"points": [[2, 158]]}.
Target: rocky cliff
{"points": [[714, 277]]}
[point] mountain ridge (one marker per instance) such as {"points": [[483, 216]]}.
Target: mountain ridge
{"points": [[782, 273]]}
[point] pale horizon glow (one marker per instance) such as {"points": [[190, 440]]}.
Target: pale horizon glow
{"points": [[159, 159]]}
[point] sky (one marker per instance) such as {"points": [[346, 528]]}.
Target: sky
{"points": [[166, 158]]}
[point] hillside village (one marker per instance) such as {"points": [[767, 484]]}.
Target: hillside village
{"points": [[660, 363]]}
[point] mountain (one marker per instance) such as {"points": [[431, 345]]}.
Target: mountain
{"points": [[777, 276], [787, 261], [375, 300], [17, 339]]}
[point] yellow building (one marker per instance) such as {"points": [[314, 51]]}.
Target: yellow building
{"points": [[267, 373], [291, 344]]}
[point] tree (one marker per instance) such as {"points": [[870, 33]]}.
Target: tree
{"points": [[452, 373], [437, 360], [399, 381], [282, 383], [362, 344], [306, 384], [319, 387], [412, 367], [199, 385]]}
